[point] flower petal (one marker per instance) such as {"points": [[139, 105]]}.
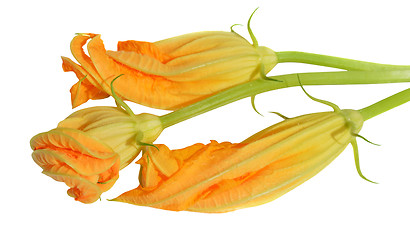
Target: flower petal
{"points": [[80, 189], [136, 86], [193, 42], [149, 177], [52, 161], [108, 178], [164, 165], [143, 63], [161, 163], [76, 47], [83, 153], [187, 183], [82, 92], [143, 48]]}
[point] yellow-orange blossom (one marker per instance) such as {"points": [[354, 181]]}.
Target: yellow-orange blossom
{"points": [[87, 150], [221, 177], [167, 74]]}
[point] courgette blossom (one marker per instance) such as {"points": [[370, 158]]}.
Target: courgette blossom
{"points": [[88, 149], [168, 74], [221, 177]]}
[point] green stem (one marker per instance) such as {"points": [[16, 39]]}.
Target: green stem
{"points": [[385, 104], [220, 99], [290, 80], [335, 62]]}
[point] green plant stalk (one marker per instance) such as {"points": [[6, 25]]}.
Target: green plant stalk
{"points": [[335, 62], [385, 104], [255, 87]]}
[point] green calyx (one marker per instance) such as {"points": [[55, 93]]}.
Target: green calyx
{"points": [[254, 40], [148, 127], [354, 121]]}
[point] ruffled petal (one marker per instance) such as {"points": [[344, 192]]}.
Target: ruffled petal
{"points": [[82, 92], [186, 185], [143, 63], [80, 189], [90, 87], [83, 59], [108, 178], [81, 152], [149, 177], [160, 163], [134, 85], [167, 165], [143, 48]]}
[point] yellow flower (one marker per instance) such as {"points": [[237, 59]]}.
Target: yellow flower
{"points": [[221, 177], [89, 148], [167, 74]]}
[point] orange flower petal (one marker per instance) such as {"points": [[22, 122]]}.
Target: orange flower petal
{"points": [[143, 63], [76, 47], [80, 189], [52, 161], [182, 155], [71, 139], [149, 177], [82, 92], [133, 85], [86, 68], [108, 178], [83, 153], [143, 48], [161, 163], [187, 184], [166, 166]]}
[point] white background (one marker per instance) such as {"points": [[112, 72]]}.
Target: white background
{"points": [[335, 204]]}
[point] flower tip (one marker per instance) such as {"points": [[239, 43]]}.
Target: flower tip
{"points": [[74, 193], [368, 179]]}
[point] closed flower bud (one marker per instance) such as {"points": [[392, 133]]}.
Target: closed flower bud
{"points": [[87, 149], [167, 74], [221, 177]]}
